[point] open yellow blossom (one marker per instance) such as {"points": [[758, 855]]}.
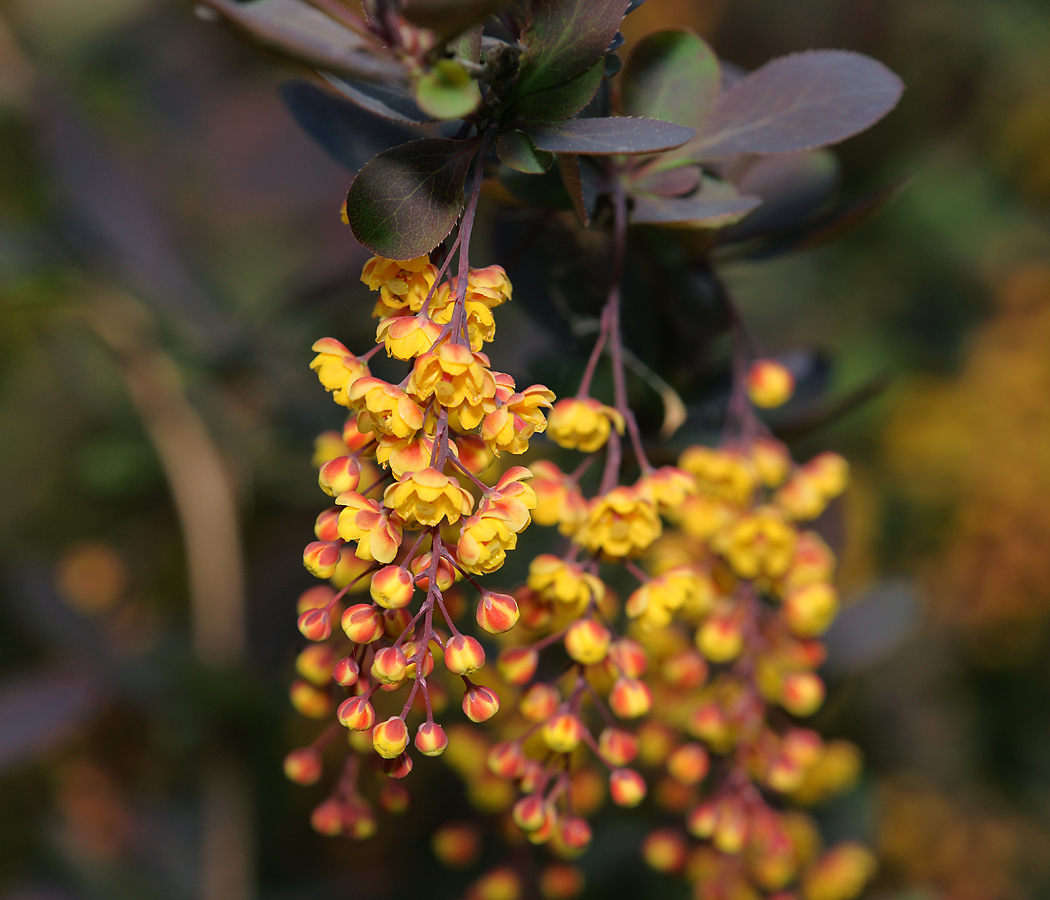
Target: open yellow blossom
{"points": [[702, 515], [406, 337], [377, 532], [337, 368], [623, 522], [559, 500], [556, 579], [520, 417], [489, 285], [583, 423], [384, 408], [407, 454], [401, 283], [428, 497], [459, 380], [686, 590], [668, 487], [483, 543], [759, 543], [511, 499], [481, 324], [723, 474]]}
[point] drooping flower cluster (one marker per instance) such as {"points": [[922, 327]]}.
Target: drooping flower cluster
{"points": [[410, 515]]}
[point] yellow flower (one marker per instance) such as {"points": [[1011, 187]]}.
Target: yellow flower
{"points": [[520, 417], [459, 380], [684, 589], [401, 283], [702, 516], [760, 543], [384, 408], [481, 324], [623, 522], [406, 454], [555, 579], [490, 285], [723, 474], [406, 337], [772, 461], [510, 499], [668, 487], [559, 500], [483, 543], [337, 368], [377, 532], [427, 497], [583, 424]]}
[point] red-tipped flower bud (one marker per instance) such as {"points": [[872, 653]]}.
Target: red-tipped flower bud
{"points": [[689, 764], [339, 475], [399, 766], [463, 655], [617, 747], [480, 703], [629, 657], [310, 701], [395, 621], [665, 850], [517, 665], [506, 759], [497, 613], [394, 798], [390, 738], [702, 819], [327, 819], [769, 383], [321, 558], [539, 702], [563, 732], [630, 698], [587, 641], [315, 625], [326, 526], [389, 667], [303, 766], [720, 639], [315, 664], [356, 713], [346, 671], [530, 812], [431, 739], [626, 787], [684, 670], [363, 623], [801, 693], [575, 833], [392, 587]]}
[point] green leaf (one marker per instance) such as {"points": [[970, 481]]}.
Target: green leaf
{"points": [[447, 91], [715, 205], [297, 30], [406, 200], [671, 75], [468, 45], [604, 136], [447, 18], [562, 100], [564, 38], [515, 149]]}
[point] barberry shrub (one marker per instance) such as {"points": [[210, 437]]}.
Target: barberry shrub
{"points": [[670, 634]]}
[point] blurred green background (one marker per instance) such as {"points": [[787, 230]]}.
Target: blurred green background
{"points": [[170, 246]]}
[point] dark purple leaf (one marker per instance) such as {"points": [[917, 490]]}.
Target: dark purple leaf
{"points": [[562, 100], [391, 101], [447, 18], [714, 205], [798, 102], [349, 134], [564, 38], [406, 200], [671, 75], [613, 135], [516, 150], [569, 166], [297, 30], [668, 182]]}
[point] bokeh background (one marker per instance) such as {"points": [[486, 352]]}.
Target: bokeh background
{"points": [[170, 246]]}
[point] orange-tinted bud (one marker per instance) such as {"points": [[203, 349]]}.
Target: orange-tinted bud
{"points": [[315, 625], [346, 671], [684, 670], [561, 882], [517, 665], [390, 738], [456, 844], [315, 664], [731, 827], [480, 703], [399, 766], [769, 383], [389, 666], [629, 657], [411, 649], [784, 774], [431, 739], [392, 587], [840, 874], [363, 623], [463, 655], [531, 776], [810, 609], [506, 759], [309, 701], [539, 702], [339, 475], [701, 821], [356, 713], [575, 833], [709, 723], [665, 850], [689, 764], [327, 819], [499, 884], [720, 639], [394, 798], [321, 558], [530, 813], [630, 698], [326, 527], [626, 787], [317, 597], [617, 747], [802, 693], [395, 621], [359, 822], [587, 641], [497, 613], [563, 732], [303, 766]]}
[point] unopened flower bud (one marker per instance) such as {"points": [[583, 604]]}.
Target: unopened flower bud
{"points": [[339, 475], [399, 766], [392, 587], [315, 664], [630, 698], [456, 844], [480, 703], [784, 774], [303, 766], [563, 732], [389, 666], [431, 739], [626, 787], [499, 884], [720, 639], [363, 623], [517, 665], [810, 609], [394, 798], [356, 713], [689, 764], [497, 613], [731, 827], [319, 596], [395, 621], [769, 383], [665, 850], [684, 670], [629, 657], [802, 693], [840, 874], [587, 641], [575, 833], [321, 558], [310, 701], [709, 723], [315, 625], [617, 747], [529, 813], [506, 759], [702, 819], [346, 671], [803, 746], [390, 738], [326, 526], [463, 655], [327, 819], [559, 881]]}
